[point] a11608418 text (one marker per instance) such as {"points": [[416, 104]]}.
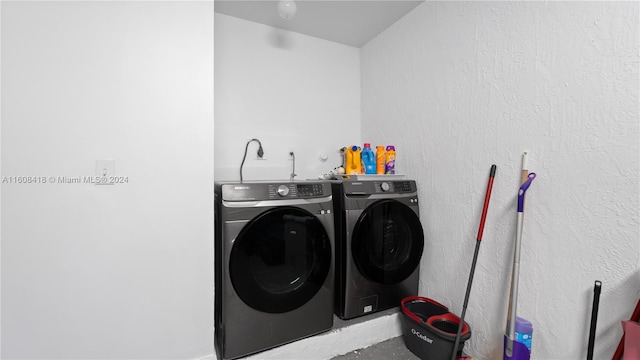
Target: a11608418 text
{"points": [[65, 180]]}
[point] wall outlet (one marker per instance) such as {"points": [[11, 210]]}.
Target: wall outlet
{"points": [[105, 172]]}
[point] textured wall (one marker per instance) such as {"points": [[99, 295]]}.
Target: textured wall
{"points": [[458, 86]]}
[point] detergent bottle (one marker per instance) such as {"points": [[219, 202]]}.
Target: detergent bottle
{"points": [[368, 159], [353, 163], [380, 160], [390, 160]]}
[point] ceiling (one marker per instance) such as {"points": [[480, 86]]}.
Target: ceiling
{"points": [[348, 22]]}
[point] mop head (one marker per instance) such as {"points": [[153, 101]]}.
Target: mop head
{"points": [[520, 351]]}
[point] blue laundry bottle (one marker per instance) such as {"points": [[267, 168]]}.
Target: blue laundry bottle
{"points": [[368, 159]]}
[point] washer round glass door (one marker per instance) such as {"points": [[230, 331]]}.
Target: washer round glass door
{"points": [[280, 260], [387, 242]]}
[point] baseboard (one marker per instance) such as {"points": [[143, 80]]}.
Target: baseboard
{"points": [[348, 336], [338, 341], [208, 357]]}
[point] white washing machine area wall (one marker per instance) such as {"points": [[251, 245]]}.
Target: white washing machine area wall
{"points": [[274, 270], [379, 244]]}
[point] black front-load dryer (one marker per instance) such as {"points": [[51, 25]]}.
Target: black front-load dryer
{"points": [[379, 243], [274, 271]]}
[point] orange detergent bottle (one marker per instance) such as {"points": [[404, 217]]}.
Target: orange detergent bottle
{"points": [[353, 163], [380, 160]]}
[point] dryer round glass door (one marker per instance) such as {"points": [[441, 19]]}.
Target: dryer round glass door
{"points": [[280, 260], [387, 242]]}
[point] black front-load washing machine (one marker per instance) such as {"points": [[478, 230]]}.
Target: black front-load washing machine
{"points": [[379, 243], [274, 272]]}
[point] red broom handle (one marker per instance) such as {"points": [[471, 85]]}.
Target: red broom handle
{"points": [[492, 174]]}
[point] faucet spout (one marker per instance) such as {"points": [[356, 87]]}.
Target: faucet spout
{"points": [[293, 166]]}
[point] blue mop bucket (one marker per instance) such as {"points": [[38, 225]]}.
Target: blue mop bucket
{"points": [[430, 330]]}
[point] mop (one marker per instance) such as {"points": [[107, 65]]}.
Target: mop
{"points": [[514, 349], [485, 207]]}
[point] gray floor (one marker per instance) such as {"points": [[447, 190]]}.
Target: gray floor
{"points": [[392, 349]]}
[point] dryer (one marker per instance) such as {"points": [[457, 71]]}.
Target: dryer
{"points": [[379, 243], [274, 273]]}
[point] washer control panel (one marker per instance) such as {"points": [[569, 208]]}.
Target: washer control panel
{"points": [[311, 190], [253, 191]]}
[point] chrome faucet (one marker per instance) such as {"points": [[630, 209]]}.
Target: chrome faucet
{"points": [[293, 166]]}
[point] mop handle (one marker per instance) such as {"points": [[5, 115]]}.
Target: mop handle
{"points": [[485, 207], [594, 318], [519, 226], [521, 193], [511, 321], [523, 190]]}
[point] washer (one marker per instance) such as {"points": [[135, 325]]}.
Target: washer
{"points": [[379, 243], [274, 273]]}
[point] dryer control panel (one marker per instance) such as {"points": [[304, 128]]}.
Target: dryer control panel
{"points": [[379, 187], [395, 186]]}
